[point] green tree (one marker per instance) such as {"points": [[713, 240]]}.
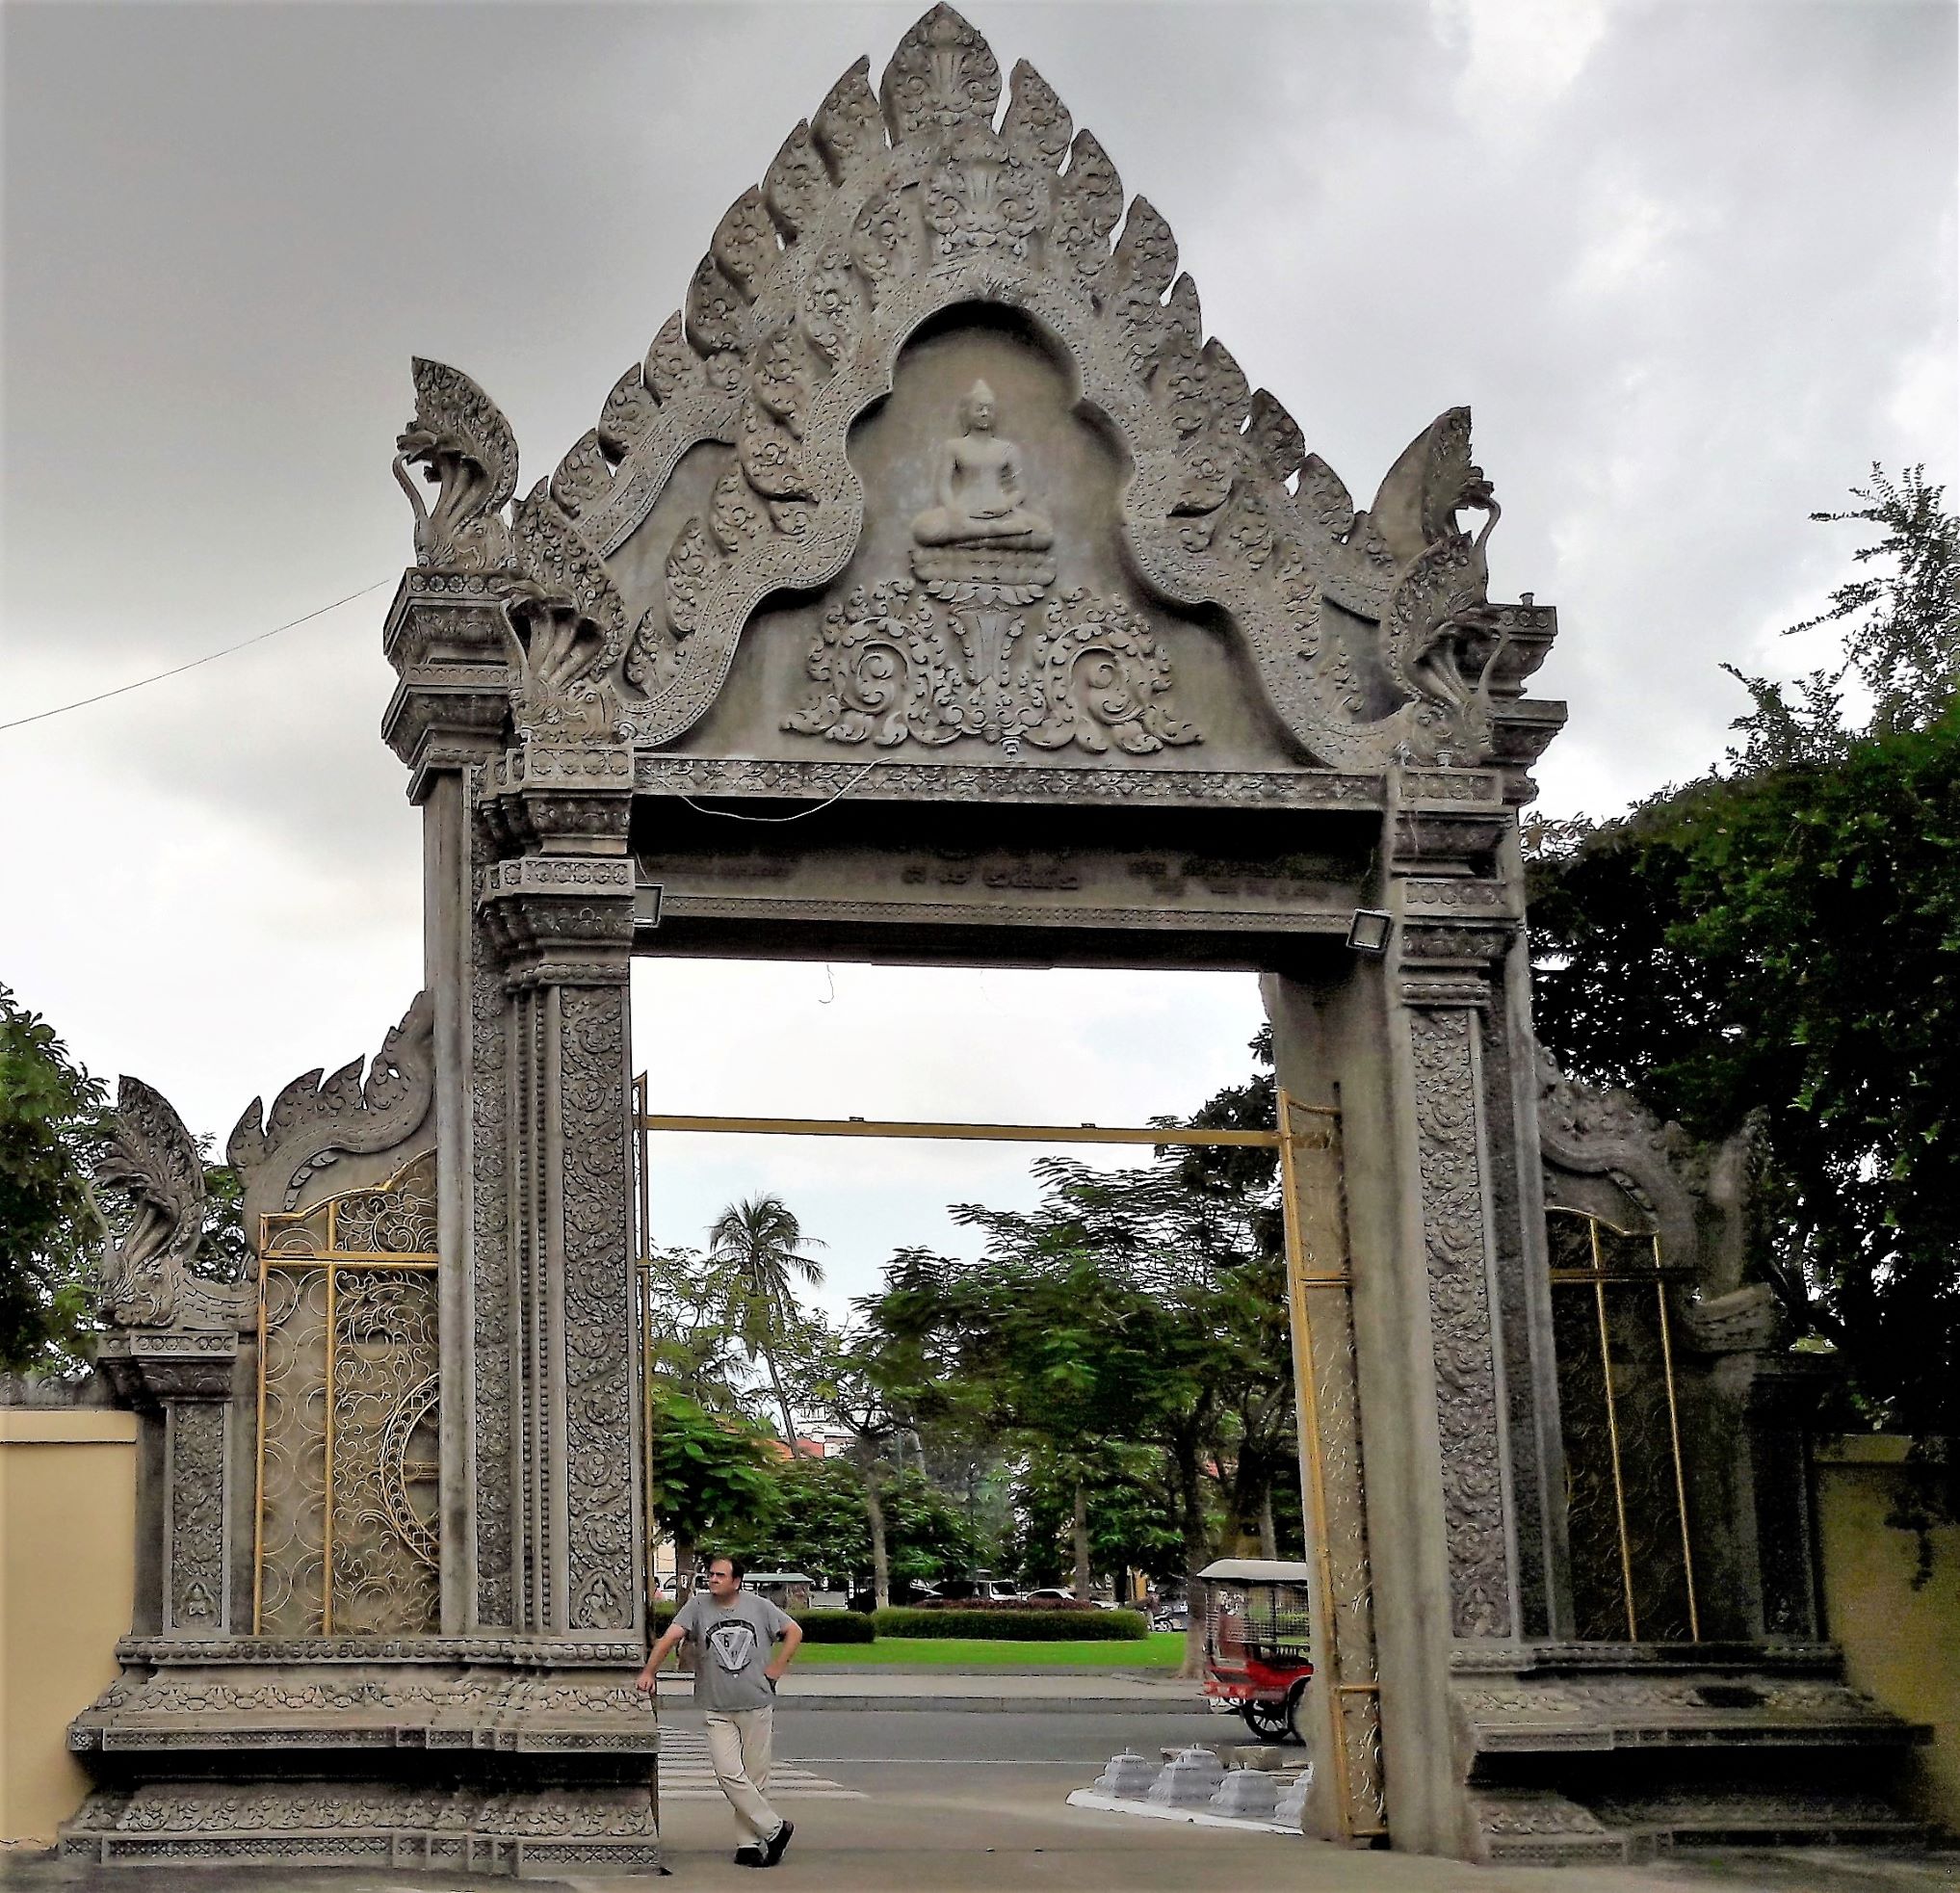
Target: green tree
{"points": [[51, 1127], [1783, 938], [762, 1243], [696, 1340], [707, 1472], [814, 1521]]}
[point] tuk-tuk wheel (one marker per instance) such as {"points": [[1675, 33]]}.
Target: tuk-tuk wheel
{"points": [[1271, 1721]]}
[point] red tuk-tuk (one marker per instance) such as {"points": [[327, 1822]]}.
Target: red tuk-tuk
{"points": [[1257, 1647]]}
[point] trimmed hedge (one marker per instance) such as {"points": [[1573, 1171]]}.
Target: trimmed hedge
{"points": [[818, 1626], [1067, 1626], [836, 1627]]}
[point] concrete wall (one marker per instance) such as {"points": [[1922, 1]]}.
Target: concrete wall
{"points": [[67, 1581], [1900, 1646]]}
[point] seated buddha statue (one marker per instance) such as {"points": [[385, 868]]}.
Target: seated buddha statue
{"points": [[981, 494]]}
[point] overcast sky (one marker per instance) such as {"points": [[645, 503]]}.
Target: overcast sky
{"points": [[1693, 266]]}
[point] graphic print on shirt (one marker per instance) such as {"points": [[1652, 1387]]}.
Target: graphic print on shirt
{"points": [[733, 1645]]}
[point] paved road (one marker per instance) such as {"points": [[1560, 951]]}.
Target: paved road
{"points": [[931, 1802], [835, 1738]]}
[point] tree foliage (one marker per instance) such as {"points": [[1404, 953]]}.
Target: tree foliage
{"points": [[762, 1247], [52, 1115], [707, 1472], [1783, 937]]}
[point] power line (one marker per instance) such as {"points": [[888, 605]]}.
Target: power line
{"points": [[177, 671]]}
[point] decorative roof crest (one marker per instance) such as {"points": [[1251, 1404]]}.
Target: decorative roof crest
{"points": [[313, 1123], [888, 207]]}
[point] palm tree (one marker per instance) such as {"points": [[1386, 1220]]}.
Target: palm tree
{"points": [[761, 1242]]}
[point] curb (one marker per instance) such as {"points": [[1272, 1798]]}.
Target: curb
{"points": [[1061, 1705]]}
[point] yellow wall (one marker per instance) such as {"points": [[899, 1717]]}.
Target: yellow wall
{"points": [[67, 1581], [1900, 1646]]}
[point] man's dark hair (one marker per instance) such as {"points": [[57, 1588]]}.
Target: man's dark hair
{"points": [[735, 1565]]}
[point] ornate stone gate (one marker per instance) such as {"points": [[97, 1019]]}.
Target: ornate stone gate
{"points": [[933, 590]]}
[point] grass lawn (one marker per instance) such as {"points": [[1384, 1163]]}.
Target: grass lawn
{"points": [[1163, 1650]]}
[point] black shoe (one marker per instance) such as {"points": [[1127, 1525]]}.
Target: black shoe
{"points": [[777, 1845], [751, 1857]]}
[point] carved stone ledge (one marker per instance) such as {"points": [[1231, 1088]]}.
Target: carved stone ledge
{"points": [[1439, 994], [448, 639], [568, 797], [718, 778], [1747, 1320], [1466, 946], [390, 1824], [148, 1370], [521, 1652], [553, 913]]}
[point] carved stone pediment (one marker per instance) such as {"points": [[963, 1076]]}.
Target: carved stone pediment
{"points": [[1132, 554]]}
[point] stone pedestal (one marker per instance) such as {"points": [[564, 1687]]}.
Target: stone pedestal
{"points": [[181, 1383]]}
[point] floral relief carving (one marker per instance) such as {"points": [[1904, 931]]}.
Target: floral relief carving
{"points": [[492, 1365], [597, 1315], [1455, 1251], [890, 666], [197, 1581]]}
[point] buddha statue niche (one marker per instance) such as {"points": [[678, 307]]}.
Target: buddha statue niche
{"points": [[981, 494]]}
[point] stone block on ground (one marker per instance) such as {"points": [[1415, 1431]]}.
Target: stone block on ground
{"points": [[1191, 1781], [1248, 1794], [1129, 1777]]}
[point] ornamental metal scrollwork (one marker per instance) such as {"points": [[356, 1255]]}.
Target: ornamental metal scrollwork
{"points": [[346, 1531]]}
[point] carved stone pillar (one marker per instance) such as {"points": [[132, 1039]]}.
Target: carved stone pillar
{"points": [[172, 1352], [561, 920], [181, 1384], [1457, 911], [448, 638]]}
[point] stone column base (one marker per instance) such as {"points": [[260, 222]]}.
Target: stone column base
{"points": [[468, 1754], [1577, 1754]]}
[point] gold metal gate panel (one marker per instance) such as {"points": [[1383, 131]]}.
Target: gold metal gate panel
{"points": [[344, 1533], [1343, 1700], [1626, 1511]]}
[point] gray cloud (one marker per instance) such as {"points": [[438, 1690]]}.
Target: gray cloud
{"points": [[1693, 265]]}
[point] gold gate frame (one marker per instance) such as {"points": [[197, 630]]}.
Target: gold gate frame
{"points": [[1306, 1137], [326, 1255]]}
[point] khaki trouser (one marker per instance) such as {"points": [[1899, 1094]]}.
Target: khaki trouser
{"points": [[740, 1743]]}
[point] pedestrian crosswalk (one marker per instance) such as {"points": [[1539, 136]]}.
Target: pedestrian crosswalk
{"points": [[686, 1775]]}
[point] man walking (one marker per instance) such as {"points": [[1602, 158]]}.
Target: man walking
{"points": [[735, 1681]]}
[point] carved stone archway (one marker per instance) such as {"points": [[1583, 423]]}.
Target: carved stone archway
{"points": [[933, 590]]}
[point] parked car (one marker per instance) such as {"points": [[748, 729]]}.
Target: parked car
{"points": [[981, 1589], [864, 1599]]}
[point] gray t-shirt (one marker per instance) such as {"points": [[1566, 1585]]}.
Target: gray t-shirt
{"points": [[732, 1649]]}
